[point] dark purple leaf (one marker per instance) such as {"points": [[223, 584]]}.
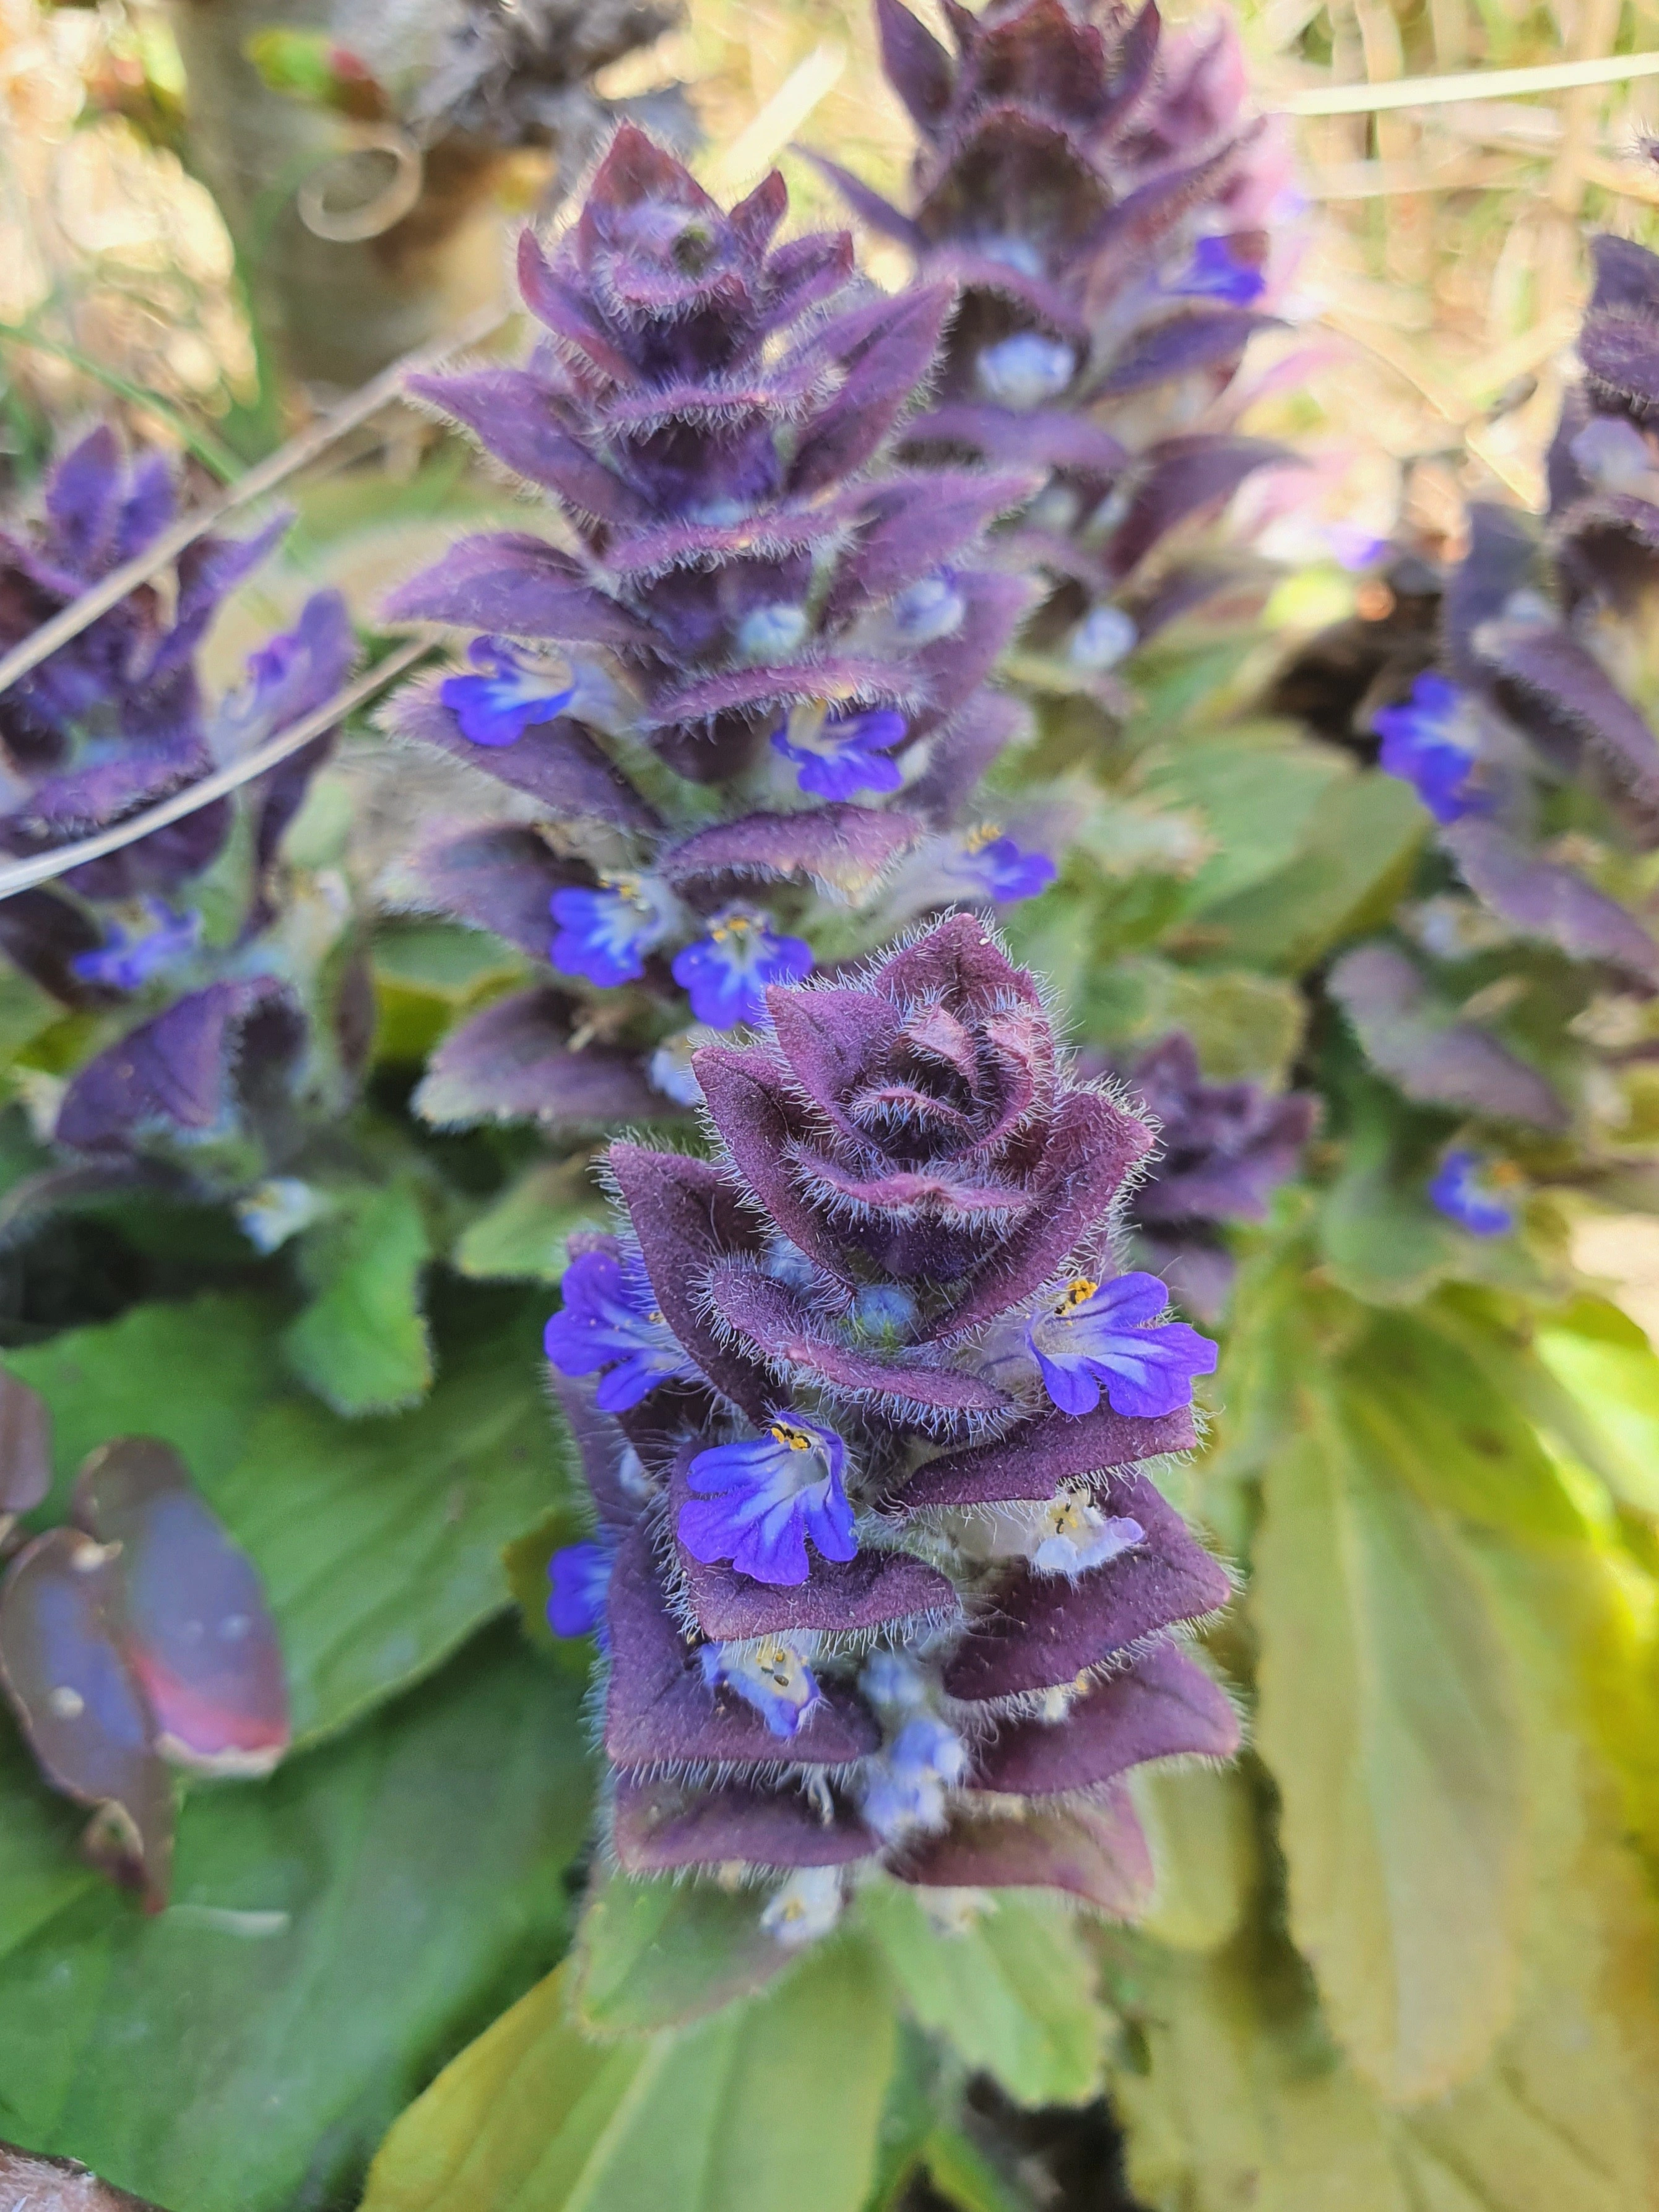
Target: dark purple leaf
{"points": [[1094, 1852], [513, 1063], [1046, 438], [881, 376], [842, 848], [1431, 1056], [917, 66], [500, 877], [515, 416], [177, 1072], [1544, 900], [1161, 1705], [1184, 345], [78, 1703], [1046, 1629], [1557, 677], [867, 204], [658, 1709], [25, 1448], [1184, 477], [661, 1827], [190, 1612], [911, 525], [1037, 1458], [507, 582]]}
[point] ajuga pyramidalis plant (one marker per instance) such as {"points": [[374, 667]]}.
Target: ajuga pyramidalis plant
{"points": [[219, 1002], [751, 682], [876, 1578], [1094, 187], [879, 1579]]}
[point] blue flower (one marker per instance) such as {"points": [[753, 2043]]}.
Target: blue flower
{"points": [[757, 1502], [838, 756], [278, 1209], [604, 934], [1480, 1194], [804, 1908], [1215, 272], [1104, 637], [1027, 370], [772, 632], [727, 972], [773, 1676], [1430, 740], [904, 1789], [998, 869], [128, 958], [497, 708], [928, 611], [1107, 1333], [580, 1575], [611, 1319]]}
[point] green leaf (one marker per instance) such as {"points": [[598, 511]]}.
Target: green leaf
{"points": [[332, 1931], [1256, 794], [427, 974], [194, 1375], [1383, 1241], [380, 1541], [961, 2173], [361, 1344], [1388, 1720], [1610, 1377], [653, 1954], [1014, 1990], [773, 2104], [1198, 1823], [1361, 840], [523, 1233]]}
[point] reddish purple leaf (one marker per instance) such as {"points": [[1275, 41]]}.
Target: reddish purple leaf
{"points": [[79, 1704], [1033, 1462], [556, 762], [661, 1827], [178, 1072], [515, 1062], [1430, 1057], [844, 849], [1161, 1705], [1094, 1852], [192, 1621]]}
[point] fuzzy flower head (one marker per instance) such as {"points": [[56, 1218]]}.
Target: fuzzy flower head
{"points": [[1108, 1337], [1432, 741], [1481, 1195], [727, 972], [815, 1658]]}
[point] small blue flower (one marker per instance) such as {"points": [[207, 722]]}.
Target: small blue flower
{"points": [[905, 1788], [1430, 740], [1104, 637], [772, 632], [773, 1676], [610, 1319], [509, 697], [996, 868], [1109, 1334], [278, 1209], [604, 934], [838, 755], [1215, 272], [1480, 1194], [1025, 371], [129, 958], [757, 1502], [727, 972], [928, 611], [804, 1908], [581, 1576]]}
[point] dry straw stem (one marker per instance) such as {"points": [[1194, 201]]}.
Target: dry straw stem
{"points": [[285, 462], [1473, 84], [41, 867]]}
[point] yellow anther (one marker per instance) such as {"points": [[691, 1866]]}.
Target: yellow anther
{"points": [[797, 1439], [1079, 1292], [977, 839]]}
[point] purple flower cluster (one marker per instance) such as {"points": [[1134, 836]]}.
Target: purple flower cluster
{"points": [[1093, 186], [1222, 1150], [107, 725], [887, 1587], [745, 589]]}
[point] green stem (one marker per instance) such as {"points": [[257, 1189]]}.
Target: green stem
{"points": [[212, 453]]}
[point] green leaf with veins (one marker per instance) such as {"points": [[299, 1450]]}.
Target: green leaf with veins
{"points": [[361, 1344], [332, 1932]]}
